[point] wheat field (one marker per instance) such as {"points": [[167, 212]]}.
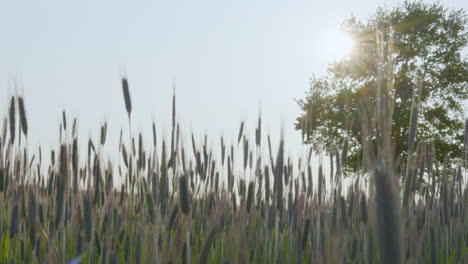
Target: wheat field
{"points": [[165, 201]]}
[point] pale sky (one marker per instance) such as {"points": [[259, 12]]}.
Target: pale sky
{"points": [[228, 60]]}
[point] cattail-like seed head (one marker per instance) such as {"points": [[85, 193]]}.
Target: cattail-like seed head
{"points": [[230, 176], [351, 204], [75, 155], [52, 157], [74, 127], [241, 130], [234, 201], [97, 178], [150, 206], [258, 132], [223, 151], [388, 218], [338, 167], [64, 120], [125, 155], [173, 109], [89, 148], [173, 216], [242, 189], [250, 196], [32, 215], [140, 151], [363, 208], [12, 120], [126, 94], [88, 217], [164, 181], [103, 133], [310, 181], [14, 220], [267, 184], [279, 175], [63, 160], [320, 184], [246, 152], [22, 116], [344, 154], [154, 134], [184, 194]]}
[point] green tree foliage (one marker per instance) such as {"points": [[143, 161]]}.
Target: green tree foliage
{"points": [[429, 42]]}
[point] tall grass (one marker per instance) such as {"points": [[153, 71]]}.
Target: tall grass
{"points": [[188, 205]]}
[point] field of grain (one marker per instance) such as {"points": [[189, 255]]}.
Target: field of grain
{"points": [[168, 202]]}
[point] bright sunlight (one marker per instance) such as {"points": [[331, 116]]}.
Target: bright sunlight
{"points": [[337, 44]]}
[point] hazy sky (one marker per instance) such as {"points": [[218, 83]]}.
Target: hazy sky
{"points": [[228, 60]]}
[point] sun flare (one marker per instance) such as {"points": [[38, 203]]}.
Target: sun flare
{"points": [[338, 44]]}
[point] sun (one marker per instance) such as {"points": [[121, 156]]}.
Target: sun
{"points": [[338, 44]]}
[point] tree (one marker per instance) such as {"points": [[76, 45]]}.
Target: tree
{"points": [[429, 40]]}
